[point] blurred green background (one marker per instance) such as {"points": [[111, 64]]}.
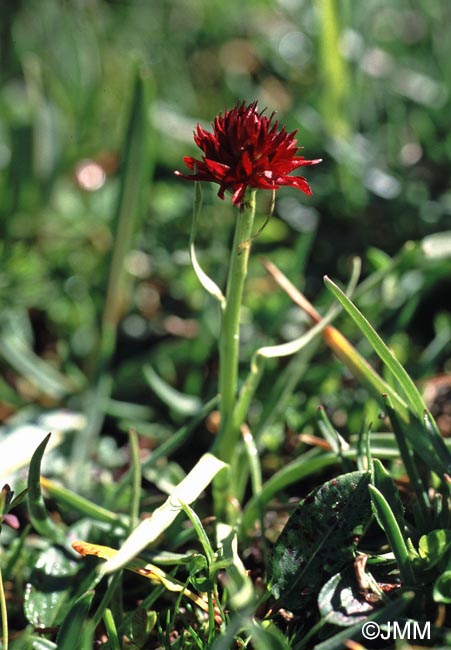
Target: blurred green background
{"points": [[367, 84]]}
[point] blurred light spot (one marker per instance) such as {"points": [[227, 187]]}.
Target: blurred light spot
{"points": [[138, 264], [76, 287], [83, 341], [290, 4], [339, 417], [90, 175], [147, 300], [411, 153], [238, 56], [5, 156], [185, 327], [134, 326], [382, 184], [437, 245], [295, 47], [297, 215], [430, 211], [421, 88], [351, 44], [413, 26], [273, 93], [376, 63], [412, 281]]}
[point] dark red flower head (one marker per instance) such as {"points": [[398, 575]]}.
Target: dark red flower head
{"points": [[247, 150]]}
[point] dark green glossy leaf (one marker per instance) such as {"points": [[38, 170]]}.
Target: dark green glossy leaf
{"points": [[340, 600], [56, 581], [319, 538]]}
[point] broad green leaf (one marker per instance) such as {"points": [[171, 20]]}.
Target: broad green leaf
{"points": [[319, 538], [340, 601], [305, 465], [51, 588], [389, 613], [434, 548], [442, 588]]}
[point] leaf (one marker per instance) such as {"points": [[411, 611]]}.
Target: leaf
{"points": [[411, 392], [385, 484], [142, 568], [319, 538], [182, 404], [73, 631], [22, 434], [150, 529], [442, 588], [434, 547], [142, 625], [389, 613], [38, 514], [208, 284], [387, 521], [51, 587], [340, 602]]}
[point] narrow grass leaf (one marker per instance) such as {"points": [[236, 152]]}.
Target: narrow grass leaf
{"points": [[306, 465], [75, 502], [182, 404], [208, 284], [142, 568], [111, 630], [387, 521], [39, 517], [150, 529], [180, 437], [409, 438], [411, 392], [70, 635], [239, 585], [384, 483], [46, 378]]}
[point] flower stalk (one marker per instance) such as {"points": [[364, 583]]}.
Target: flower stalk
{"points": [[230, 329]]}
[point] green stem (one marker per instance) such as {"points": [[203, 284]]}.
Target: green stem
{"points": [[230, 331], [388, 523], [4, 614]]}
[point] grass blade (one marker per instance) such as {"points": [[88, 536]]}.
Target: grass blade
{"points": [[38, 513], [150, 529], [411, 392]]}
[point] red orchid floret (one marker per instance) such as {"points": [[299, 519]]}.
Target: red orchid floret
{"points": [[246, 149]]}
